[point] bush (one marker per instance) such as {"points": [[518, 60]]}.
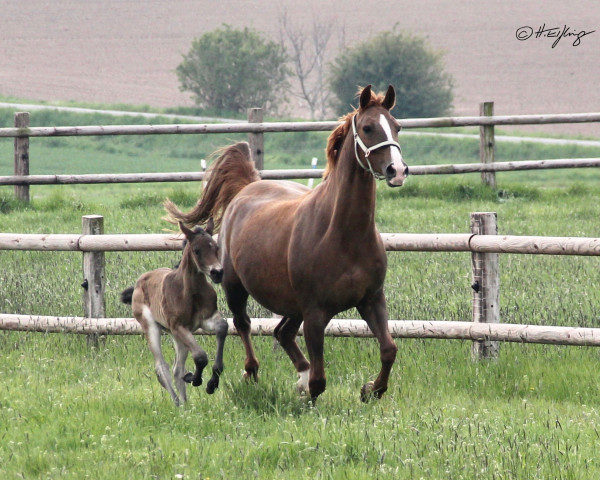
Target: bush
{"points": [[229, 70], [423, 89]]}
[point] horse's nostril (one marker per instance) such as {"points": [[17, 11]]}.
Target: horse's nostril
{"points": [[390, 171], [406, 171]]}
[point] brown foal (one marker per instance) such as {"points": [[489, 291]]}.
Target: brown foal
{"points": [[180, 301]]}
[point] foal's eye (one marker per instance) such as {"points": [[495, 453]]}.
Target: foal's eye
{"points": [[367, 129]]}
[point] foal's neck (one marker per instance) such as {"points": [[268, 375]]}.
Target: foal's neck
{"points": [[192, 279]]}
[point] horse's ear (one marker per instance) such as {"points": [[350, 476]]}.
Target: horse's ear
{"points": [[186, 231], [390, 98], [210, 226], [365, 96]]}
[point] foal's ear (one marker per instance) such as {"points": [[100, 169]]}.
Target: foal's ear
{"points": [[186, 231], [390, 98], [210, 226], [365, 96]]}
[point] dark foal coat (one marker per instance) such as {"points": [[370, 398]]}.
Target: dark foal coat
{"points": [[180, 301], [308, 254]]}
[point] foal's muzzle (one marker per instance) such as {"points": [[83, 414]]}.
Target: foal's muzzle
{"points": [[216, 274]]}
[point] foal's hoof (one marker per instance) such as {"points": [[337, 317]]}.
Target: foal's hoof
{"points": [[189, 378], [211, 387]]}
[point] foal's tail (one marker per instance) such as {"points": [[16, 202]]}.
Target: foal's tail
{"points": [[230, 172], [127, 295]]}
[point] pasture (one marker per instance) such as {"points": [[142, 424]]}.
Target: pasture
{"points": [[68, 411]]}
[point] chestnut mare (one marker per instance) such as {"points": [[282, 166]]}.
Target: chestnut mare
{"points": [[308, 254]]}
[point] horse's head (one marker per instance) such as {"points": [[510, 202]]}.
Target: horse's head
{"points": [[203, 250], [375, 133]]}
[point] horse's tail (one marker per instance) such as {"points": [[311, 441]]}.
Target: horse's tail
{"points": [[127, 295], [230, 172]]}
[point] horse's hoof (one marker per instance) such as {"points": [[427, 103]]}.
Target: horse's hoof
{"points": [[247, 376], [367, 392], [302, 383], [188, 377]]}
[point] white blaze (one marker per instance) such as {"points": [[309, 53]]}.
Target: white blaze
{"points": [[397, 160]]}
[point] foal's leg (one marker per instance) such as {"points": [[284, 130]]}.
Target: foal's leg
{"points": [[221, 328], [374, 311], [152, 333], [285, 333], [183, 335], [237, 298], [179, 370]]}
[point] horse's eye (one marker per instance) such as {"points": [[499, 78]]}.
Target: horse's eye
{"points": [[367, 129]]}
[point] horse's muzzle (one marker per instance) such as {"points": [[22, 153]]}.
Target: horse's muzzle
{"points": [[395, 174]]}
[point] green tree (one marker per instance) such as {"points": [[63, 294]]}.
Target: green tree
{"points": [[423, 88], [231, 70]]}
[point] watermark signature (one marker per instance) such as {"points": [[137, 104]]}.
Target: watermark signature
{"points": [[558, 33]]}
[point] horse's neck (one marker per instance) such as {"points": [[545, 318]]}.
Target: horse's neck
{"points": [[351, 193]]}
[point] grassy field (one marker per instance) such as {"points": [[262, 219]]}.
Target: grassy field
{"points": [[70, 411]]}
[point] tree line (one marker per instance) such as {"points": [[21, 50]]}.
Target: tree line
{"points": [[229, 70]]}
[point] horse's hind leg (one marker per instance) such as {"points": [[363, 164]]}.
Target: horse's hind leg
{"points": [[374, 312], [152, 333], [237, 298], [179, 370], [221, 329], [285, 333]]}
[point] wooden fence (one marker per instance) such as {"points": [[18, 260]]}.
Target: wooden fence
{"points": [[256, 128], [483, 243]]}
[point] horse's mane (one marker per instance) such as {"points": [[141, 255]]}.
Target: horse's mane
{"points": [[337, 137]]}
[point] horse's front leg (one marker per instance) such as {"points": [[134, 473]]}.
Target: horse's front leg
{"points": [[374, 311], [285, 333], [314, 335]]}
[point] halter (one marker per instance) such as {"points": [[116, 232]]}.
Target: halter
{"points": [[367, 150]]}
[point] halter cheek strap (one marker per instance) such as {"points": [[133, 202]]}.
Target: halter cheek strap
{"points": [[367, 150]]}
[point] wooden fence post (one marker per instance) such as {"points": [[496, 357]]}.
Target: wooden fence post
{"points": [[486, 284], [93, 276], [22, 156], [257, 140], [487, 143]]}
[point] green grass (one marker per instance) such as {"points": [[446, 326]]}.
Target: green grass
{"points": [[71, 411]]}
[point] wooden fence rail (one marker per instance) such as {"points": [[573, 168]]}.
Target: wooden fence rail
{"points": [[268, 127], [255, 127], [447, 330], [394, 242], [483, 243], [295, 173]]}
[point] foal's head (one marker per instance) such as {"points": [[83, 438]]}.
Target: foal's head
{"points": [[202, 250], [375, 138]]}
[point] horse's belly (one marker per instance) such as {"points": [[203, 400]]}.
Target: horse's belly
{"points": [[256, 241]]}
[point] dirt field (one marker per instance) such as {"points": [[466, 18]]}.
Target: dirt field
{"points": [[115, 51]]}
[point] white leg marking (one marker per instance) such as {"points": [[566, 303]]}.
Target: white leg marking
{"points": [[302, 385]]}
